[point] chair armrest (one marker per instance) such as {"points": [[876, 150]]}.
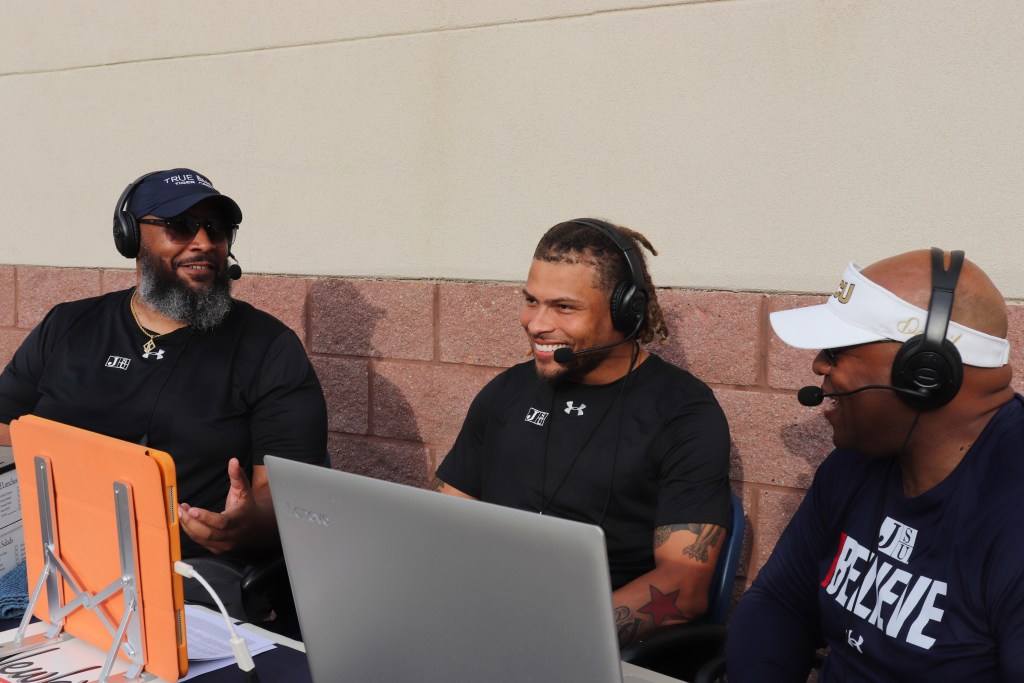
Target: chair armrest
{"points": [[248, 589], [269, 572], [712, 671], [678, 650]]}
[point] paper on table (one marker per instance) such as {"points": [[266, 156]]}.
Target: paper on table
{"points": [[208, 647]]}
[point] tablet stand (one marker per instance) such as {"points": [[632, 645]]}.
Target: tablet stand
{"points": [[128, 636]]}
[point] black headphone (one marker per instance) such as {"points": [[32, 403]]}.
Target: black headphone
{"points": [[126, 225], [629, 298], [929, 364]]}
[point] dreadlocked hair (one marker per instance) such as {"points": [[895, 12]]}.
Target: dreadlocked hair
{"points": [[572, 242]]}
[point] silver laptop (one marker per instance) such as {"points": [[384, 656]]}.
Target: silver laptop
{"points": [[395, 584]]}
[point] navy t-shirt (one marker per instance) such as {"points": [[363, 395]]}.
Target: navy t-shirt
{"points": [[902, 589]]}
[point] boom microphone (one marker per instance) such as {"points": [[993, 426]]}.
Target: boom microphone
{"points": [[813, 396], [564, 355]]}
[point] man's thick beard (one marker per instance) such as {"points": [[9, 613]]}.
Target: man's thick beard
{"points": [[166, 293]]}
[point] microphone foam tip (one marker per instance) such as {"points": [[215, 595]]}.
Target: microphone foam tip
{"points": [[563, 355], [810, 396]]}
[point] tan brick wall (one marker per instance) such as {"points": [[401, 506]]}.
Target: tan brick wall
{"points": [[400, 362]]}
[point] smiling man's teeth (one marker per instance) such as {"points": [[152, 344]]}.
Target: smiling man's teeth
{"points": [[550, 348]]}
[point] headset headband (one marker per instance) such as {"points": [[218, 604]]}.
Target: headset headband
{"points": [[940, 306], [626, 246]]}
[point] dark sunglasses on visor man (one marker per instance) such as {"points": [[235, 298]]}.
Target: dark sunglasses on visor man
{"points": [[182, 229]]}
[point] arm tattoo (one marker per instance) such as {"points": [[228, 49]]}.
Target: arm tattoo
{"points": [[708, 536], [435, 484], [662, 607], [626, 624], [662, 533]]}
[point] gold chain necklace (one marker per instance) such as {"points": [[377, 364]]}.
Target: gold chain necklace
{"points": [[150, 345]]}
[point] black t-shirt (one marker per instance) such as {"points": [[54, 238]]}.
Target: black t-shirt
{"points": [[244, 389], [630, 456]]}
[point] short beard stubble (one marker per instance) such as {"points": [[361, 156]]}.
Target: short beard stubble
{"points": [[577, 367]]}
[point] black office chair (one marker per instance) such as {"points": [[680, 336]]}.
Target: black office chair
{"points": [[258, 592], [713, 671], [681, 649]]}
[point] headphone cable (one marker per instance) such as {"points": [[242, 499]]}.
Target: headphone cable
{"points": [[873, 557], [544, 475]]}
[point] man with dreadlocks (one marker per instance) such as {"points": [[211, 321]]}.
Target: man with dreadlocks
{"points": [[598, 429]]}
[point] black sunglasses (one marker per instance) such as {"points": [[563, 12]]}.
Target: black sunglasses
{"points": [[182, 229], [832, 355]]}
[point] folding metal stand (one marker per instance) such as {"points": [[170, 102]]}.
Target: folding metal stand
{"points": [[128, 635]]}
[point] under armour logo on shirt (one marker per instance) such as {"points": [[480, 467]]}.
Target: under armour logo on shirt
{"points": [[159, 353], [570, 408]]}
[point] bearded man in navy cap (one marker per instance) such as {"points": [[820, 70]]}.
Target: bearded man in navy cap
{"points": [[177, 364]]}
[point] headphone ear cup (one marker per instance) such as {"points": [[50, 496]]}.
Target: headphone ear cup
{"points": [[637, 307], [628, 306], [936, 371], [126, 226], [620, 301], [126, 234]]}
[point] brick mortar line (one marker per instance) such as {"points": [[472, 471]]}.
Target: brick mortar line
{"points": [[753, 389], [436, 321], [764, 487], [763, 343], [377, 438], [386, 440], [307, 315], [1010, 301], [406, 361], [745, 388], [371, 372], [754, 513], [17, 298]]}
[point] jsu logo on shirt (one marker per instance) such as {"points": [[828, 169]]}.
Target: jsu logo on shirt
{"points": [[119, 362], [536, 417], [896, 540]]}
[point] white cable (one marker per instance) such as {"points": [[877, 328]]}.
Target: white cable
{"points": [[237, 643]]}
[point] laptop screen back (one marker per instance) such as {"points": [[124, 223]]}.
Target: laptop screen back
{"points": [[396, 584]]}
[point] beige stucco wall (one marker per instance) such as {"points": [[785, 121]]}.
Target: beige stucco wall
{"points": [[760, 144]]}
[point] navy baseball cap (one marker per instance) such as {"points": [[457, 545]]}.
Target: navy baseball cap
{"points": [[170, 193]]}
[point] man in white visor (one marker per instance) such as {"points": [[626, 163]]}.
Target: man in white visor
{"points": [[904, 557]]}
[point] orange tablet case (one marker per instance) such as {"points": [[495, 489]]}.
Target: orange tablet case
{"points": [[84, 466]]}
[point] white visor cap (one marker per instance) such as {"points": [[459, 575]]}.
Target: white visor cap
{"points": [[861, 311]]}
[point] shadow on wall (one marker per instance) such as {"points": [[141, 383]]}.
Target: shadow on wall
{"points": [[808, 441], [675, 352], [372, 427]]}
